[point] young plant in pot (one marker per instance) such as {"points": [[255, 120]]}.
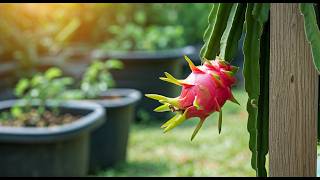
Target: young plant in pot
{"points": [[147, 40], [108, 142], [43, 135]]}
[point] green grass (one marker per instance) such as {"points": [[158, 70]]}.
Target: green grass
{"points": [[152, 153]]}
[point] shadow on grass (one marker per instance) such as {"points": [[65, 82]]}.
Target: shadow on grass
{"points": [[137, 169]]}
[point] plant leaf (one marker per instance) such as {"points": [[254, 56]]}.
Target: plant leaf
{"points": [[21, 87], [261, 12], [312, 31], [233, 32], [114, 64], [215, 30], [251, 72], [53, 73], [263, 104]]}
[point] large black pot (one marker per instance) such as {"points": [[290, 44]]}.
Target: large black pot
{"points": [[142, 70], [50, 151], [109, 142]]}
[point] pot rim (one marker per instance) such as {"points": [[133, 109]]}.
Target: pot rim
{"points": [[128, 96], [84, 124], [168, 54]]}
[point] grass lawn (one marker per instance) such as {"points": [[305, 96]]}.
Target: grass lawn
{"points": [[152, 153]]}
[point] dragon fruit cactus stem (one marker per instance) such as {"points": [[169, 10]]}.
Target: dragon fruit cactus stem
{"points": [[204, 92]]}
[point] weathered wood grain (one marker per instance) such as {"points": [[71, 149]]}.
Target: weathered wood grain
{"points": [[293, 95]]}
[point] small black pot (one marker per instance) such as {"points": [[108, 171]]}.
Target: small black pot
{"points": [[50, 151], [142, 70], [109, 142]]}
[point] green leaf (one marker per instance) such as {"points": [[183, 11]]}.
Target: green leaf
{"points": [[312, 31], [251, 49], [73, 94], [114, 64], [233, 32], [261, 12], [263, 105], [98, 78], [21, 87], [16, 111], [36, 80], [215, 30], [211, 19], [252, 129], [65, 81], [251, 72], [53, 73], [252, 75]]}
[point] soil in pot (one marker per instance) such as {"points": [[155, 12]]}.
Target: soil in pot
{"points": [[33, 119]]}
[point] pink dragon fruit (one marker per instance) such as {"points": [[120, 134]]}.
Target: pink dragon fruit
{"points": [[204, 92]]}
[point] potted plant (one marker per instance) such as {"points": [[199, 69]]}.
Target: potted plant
{"points": [[43, 135], [108, 144]]}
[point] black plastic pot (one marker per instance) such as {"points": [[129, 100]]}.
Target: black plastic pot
{"points": [[142, 70], [109, 142], [50, 151]]}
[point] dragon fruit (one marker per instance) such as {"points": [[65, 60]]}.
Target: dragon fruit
{"points": [[204, 92]]}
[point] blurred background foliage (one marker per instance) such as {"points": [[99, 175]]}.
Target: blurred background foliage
{"points": [[37, 29], [32, 34]]}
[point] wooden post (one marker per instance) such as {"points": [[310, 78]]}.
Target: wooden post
{"points": [[293, 95]]}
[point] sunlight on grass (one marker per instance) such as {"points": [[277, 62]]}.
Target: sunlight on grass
{"points": [[152, 153]]}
